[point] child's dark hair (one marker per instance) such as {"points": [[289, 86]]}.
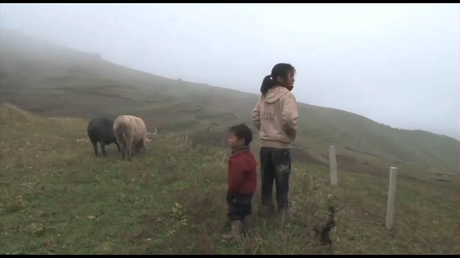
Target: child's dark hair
{"points": [[279, 70], [242, 131]]}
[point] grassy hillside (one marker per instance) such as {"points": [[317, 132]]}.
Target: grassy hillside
{"points": [[55, 81], [57, 198]]}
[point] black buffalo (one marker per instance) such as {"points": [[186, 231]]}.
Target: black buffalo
{"points": [[101, 130]]}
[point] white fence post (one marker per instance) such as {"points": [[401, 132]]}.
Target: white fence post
{"points": [[391, 197], [333, 166], [156, 132]]}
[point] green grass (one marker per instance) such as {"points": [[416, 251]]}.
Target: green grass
{"points": [[56, 197], [58, 82]]}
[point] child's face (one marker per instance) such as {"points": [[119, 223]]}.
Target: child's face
{"points": [[233, 141]]}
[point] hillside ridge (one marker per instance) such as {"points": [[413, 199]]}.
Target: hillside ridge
{"points": [[48, 81]]}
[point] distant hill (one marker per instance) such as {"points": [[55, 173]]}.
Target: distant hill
{"points": [[50, 80]]}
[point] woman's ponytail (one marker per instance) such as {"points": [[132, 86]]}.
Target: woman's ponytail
{"points": [[267, 84]]}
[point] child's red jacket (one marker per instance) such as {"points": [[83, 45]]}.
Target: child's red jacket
{"points": [[242, 173]]}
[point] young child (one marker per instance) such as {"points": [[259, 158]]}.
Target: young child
{"points": [[242, 180]]}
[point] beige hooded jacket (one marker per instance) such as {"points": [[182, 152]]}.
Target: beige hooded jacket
{"points": [[275, 115]]}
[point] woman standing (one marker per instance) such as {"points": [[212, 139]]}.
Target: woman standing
{"points": [[275, 115]]}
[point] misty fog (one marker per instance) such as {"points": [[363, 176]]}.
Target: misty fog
{"points": [[397, 64]]}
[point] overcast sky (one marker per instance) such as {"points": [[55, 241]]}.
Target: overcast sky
{"points": [[397, 64]]}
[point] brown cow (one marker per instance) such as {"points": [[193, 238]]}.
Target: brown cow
{"points": [[130, 132]]}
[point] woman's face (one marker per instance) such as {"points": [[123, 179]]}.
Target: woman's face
{"points": [[289, 81]]}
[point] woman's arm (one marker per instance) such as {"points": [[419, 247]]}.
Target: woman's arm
{"points": [[256, 115], [290, 115]]}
